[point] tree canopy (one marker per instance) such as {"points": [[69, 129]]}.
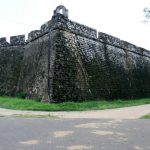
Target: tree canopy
{"points": [[147, 12]]}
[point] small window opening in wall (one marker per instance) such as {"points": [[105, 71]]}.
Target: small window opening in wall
{"points": [[61, 11]]}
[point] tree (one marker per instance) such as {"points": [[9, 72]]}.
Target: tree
{"points": [[147, 12]]}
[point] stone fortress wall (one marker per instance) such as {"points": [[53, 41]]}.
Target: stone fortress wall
{"points": [[65, 60]]}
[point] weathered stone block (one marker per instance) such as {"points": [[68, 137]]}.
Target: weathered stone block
{"points": [[34, 34], [46, 27], [59, 21], [3, 42], [17, 40], [109, 39]]}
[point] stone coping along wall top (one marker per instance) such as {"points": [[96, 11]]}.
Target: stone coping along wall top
{"points": [[122, 44], [14, 41], [3, 42]]}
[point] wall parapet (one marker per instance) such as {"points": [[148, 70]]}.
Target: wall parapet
{"points": [[106, 38], [45, 27], [14, 41], [3, 42], [109, 39], [61, 22], [17, 40], [33, 35]]}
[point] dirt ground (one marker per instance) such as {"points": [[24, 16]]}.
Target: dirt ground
{"points": [[133, 112]]}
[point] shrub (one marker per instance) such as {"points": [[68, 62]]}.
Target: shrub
{"points": [[21, 95], [38, 99]]}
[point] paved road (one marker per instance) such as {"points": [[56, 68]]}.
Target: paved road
{"points": [[74, 134]]}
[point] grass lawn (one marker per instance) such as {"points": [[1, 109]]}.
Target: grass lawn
{"points": [[24, 104], [146, 116]]}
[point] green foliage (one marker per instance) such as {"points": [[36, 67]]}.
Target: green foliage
{"points": [[21, 95], [38, 99], [21, 104], [146, 116], [147, 12]]}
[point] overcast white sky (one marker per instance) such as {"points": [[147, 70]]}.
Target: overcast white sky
{"points": [[120, 18]]}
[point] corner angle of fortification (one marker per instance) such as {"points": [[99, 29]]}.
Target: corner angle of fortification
{"points": [[66, 60]]}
